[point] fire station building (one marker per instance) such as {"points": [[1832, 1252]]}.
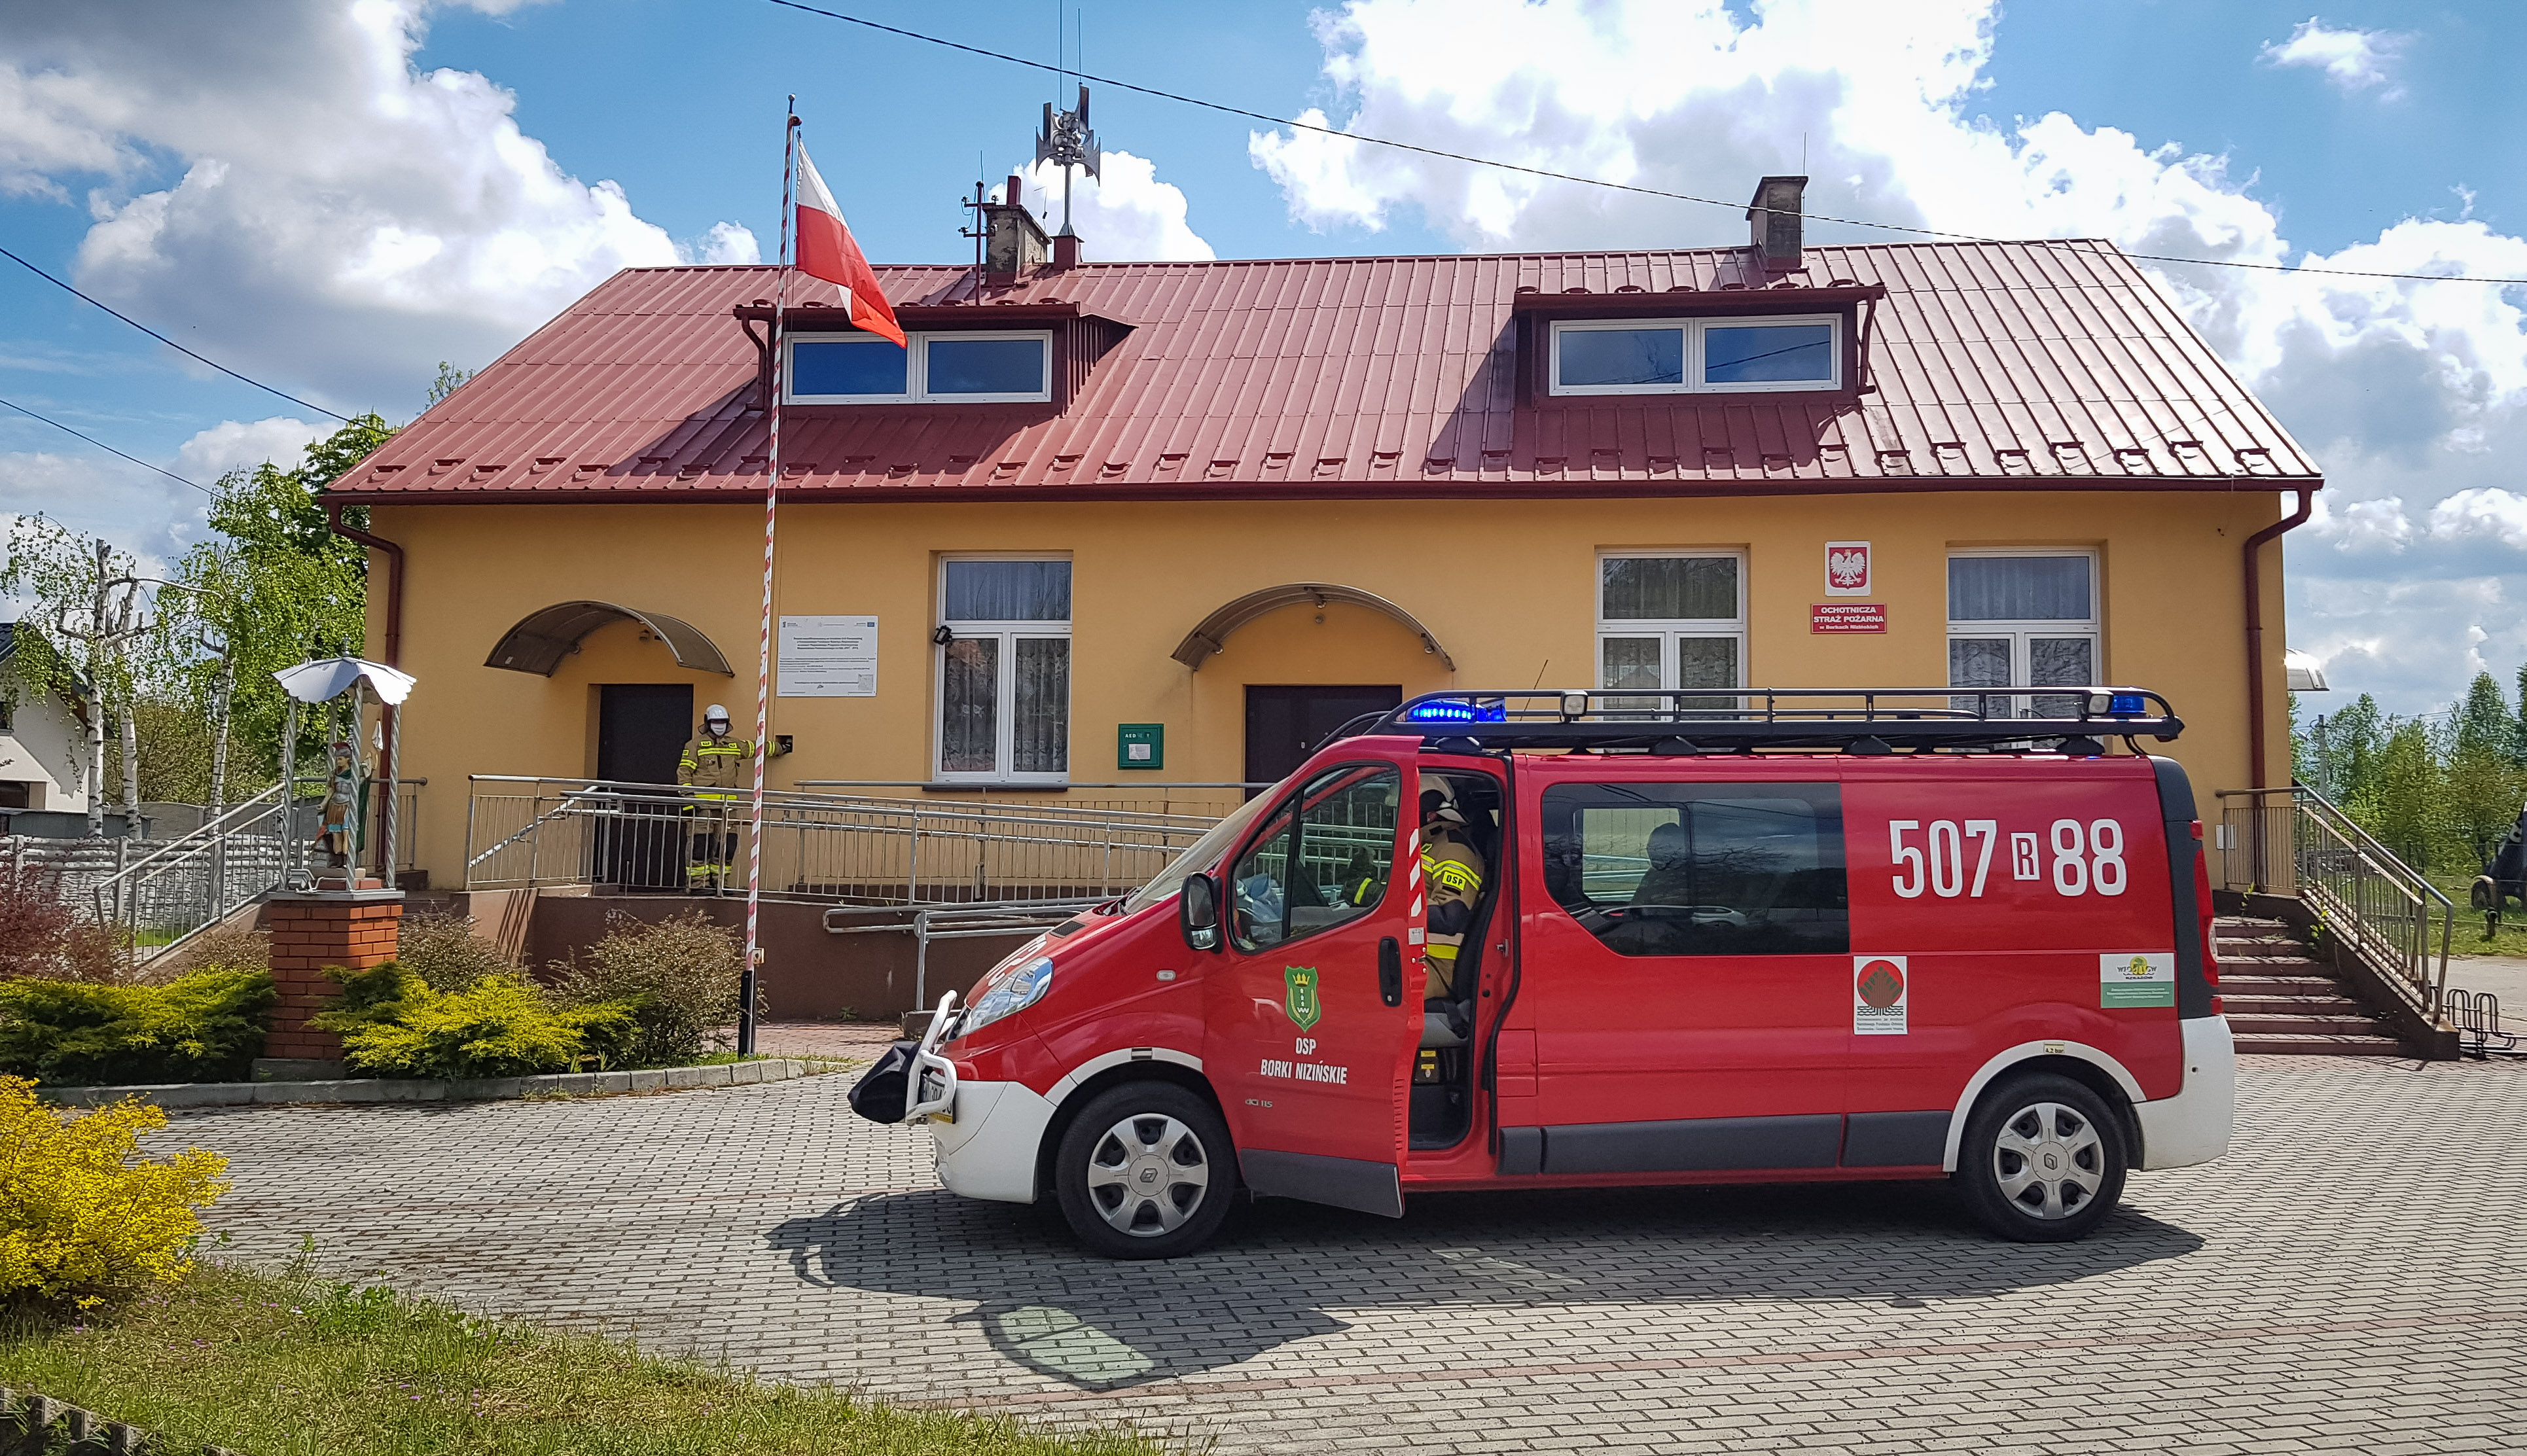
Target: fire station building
{"points": [[1168, 523]]}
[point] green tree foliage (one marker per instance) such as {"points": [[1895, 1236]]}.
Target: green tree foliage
{"points": [[275, 584], [2442, 795], [450, 380], [2484, 722]]}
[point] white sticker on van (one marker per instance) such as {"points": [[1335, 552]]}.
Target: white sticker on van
{"points": [[1880, 989], [2135, 978]]}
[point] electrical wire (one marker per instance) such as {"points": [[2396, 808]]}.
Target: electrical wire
{"points": [[171, 343], [1597, 182], [109, 450]]}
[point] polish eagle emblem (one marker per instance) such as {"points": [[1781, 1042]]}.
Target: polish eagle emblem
{"points": [[1848, 568]]}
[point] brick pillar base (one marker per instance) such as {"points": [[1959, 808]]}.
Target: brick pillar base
{"points": [[353, 929]]}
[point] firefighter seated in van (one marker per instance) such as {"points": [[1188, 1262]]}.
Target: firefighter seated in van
{"points": [[1452, 876]]}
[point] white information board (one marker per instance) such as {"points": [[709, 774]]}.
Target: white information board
{"points": [[828, 657]]}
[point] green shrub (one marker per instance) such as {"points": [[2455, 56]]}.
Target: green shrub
{"points": [[442, 949], [683, 976], [392, 1024], [203, 1027]]}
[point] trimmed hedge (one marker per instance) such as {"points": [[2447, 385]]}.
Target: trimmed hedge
{"points": [[203, 1027]]}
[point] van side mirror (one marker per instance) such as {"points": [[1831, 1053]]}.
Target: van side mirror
{"points": [[1198, 911]]}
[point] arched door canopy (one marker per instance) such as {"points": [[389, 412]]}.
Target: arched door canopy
{"points": [[541, 638], [1208, 636]]}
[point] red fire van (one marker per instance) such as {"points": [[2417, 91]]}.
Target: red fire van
{"points": [[1782, 935]]}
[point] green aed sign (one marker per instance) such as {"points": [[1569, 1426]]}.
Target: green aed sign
{"points": [[1140, 746]]}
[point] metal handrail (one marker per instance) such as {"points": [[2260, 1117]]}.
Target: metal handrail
{"points": [[824, 848], [209, 830], [2379, 907]]}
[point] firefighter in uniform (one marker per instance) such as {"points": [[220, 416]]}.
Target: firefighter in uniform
{"points": [[1451, 884], [719, 769], [1452, 869]]}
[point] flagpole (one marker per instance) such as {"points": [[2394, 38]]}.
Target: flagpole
{"points": [[750, 983]]}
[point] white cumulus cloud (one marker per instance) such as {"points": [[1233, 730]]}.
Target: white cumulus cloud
{"points": [[277, 175], [2413, 395], [1124, 213], [238, 445], [2352, 60]]}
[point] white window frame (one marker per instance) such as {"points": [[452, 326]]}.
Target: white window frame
{"points": [[1693, 328], [2020, 631], [1668, 630], [1005, 691], [917, 368]]}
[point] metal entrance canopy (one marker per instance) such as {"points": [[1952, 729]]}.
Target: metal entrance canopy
{"points": [[541, 638], [1211, 634]]}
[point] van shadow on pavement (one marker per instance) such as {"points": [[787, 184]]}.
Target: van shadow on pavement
{"points": [[1278, 1266]]}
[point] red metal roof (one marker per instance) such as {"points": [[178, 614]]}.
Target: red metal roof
{"points": [[2023, 365]]}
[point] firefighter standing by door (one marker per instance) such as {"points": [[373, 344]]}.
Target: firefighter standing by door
{"points": [[719, 769]]}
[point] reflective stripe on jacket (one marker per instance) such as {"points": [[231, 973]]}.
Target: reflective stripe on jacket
{"points": [[724, 763]]}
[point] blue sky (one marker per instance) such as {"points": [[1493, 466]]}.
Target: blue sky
{"points": [[333, 201]]}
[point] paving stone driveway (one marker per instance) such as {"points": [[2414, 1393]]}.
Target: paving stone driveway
{"points": [[2353, 1277]]}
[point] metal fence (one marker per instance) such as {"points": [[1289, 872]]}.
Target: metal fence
{"points": [[522, 832], [2296, 841]]}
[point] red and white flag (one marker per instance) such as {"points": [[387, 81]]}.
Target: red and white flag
{"points": [[826, 250]]}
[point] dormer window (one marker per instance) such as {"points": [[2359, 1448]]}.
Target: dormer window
{"points": [[961, 367], [1693, 356]]}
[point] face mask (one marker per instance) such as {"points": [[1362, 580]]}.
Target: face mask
{"points": [[717, 730]]}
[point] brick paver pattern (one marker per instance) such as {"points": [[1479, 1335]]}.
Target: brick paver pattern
{"points": [[2353, 1276]]}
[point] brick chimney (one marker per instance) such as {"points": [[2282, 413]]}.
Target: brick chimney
{"points": [[1775, 215], [1014, 241]]}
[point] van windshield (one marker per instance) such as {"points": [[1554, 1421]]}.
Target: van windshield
{"points": [[1203, 854]]}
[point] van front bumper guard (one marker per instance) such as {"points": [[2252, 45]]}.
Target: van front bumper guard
{"points": [[930, 1083]]}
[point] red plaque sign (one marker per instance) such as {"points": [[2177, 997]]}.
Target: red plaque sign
{"points": [[1848, 616]]}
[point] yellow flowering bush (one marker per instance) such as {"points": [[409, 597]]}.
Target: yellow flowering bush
{"points": [[82, 1215]]}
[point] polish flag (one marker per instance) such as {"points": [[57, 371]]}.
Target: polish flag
{"points": [[826, 250]]}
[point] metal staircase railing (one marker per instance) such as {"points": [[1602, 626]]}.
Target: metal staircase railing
{"points": [[2298, 842], [199, 880]]}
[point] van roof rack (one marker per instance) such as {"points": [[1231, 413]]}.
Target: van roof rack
{"points": [[1851, 720]]}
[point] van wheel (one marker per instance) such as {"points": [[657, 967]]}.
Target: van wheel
{"points": [[2042, 1160], [1144, 1171]]}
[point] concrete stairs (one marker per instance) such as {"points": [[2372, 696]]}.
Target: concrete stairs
{"points": [[2282, 1001]]}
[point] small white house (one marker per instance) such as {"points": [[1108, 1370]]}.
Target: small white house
{"points": [[43, 742]]}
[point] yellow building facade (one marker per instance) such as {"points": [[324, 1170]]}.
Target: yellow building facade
{"points": [[1508, 589]]}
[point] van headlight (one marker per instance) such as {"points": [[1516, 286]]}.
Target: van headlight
{"points": [[1006, 992]]}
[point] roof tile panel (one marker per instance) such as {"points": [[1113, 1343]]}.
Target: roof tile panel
{"points": [[2037, 359]]}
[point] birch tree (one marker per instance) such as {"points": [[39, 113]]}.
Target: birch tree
{"points": [[89, 603]]}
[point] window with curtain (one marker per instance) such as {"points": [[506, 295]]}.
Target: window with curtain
{"points": [[1004, 672], [1672, 620], [2024, 620]]}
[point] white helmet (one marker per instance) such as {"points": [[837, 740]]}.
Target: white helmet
{"points": [[715, 713]]}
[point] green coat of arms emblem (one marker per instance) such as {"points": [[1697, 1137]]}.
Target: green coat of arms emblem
{"points": [[1300, 998]]}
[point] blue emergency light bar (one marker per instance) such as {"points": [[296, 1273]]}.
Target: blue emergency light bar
{"points": [[1457, 711]]}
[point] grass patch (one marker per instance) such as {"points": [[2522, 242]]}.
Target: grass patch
{"points": [[287, 1365], [2465, 935]]}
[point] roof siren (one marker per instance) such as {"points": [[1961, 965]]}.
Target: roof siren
{"points": [[1067, 142]]}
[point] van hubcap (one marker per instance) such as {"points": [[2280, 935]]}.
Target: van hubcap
{"points": [[2049, 1161], [1147, 1174]]}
